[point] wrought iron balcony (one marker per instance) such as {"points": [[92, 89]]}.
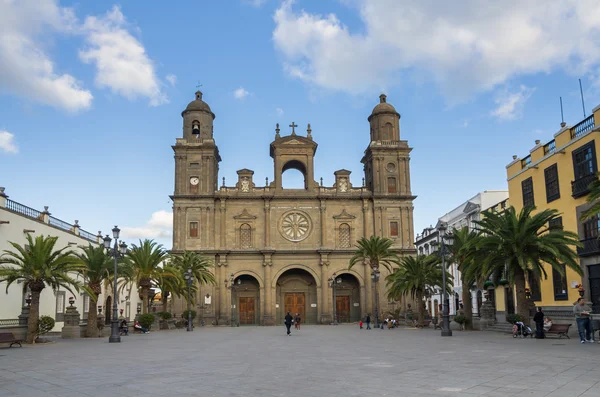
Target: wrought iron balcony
{"points": [[591, 246], [581, 187]]}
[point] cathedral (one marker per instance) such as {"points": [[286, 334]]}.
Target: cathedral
{"points": [[277, 250]]}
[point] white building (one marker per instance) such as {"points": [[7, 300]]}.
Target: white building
{"points": [[465, 215], [18, 220]]}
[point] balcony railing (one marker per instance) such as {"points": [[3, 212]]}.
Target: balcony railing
{"points": [[11, 322], [23, 209], [61, 224], [581, 187], [550, 147], [591, 246], [582, 127], [87, 235]]}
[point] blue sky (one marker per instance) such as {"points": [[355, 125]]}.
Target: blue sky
{"points": [[91, 93]]}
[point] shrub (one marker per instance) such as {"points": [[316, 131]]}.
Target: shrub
{"points": [[164, 315], [460, 319], [146, 320], [513, 318], [45, 325], [185, 315]]}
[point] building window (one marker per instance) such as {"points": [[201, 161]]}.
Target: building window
{"points": [[86, 303], [344, 235], [394, 229], [392, 185], [525, 162], [420, 250], [560, 284], [591, 227], [245, 236], [550, 147], [534, 286], [527, 188], [584, 161], [193, 229], [555, 223], [552, 188], [388, 132], [60, 306]]}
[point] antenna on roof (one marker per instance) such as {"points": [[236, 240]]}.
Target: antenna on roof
{"points": [[562, 116], [582, 101]]}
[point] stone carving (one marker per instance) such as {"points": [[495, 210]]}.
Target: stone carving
{"points": [[245, 184], [295, 226], [343, 185]]}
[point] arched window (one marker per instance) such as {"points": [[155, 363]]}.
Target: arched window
{"points": [[344, 235], [195, 127], [245, 236], [392, 185], [388, 132]]}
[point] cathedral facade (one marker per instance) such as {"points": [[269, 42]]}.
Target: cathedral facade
{"points": [[277, 250]]}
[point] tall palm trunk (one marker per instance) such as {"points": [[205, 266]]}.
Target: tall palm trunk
{"points": [[92, 320], [145, 293], [34, 313], [468, 305], [164, 298], [522, 302], [419, 295]]}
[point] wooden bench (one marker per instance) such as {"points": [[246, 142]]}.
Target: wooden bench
{"points": [[8, 337], [560, 330]]}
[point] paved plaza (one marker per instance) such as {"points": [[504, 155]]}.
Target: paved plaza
{"points": [[315, 361]]}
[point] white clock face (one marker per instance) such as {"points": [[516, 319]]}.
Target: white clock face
{"points": [[194, 180]]}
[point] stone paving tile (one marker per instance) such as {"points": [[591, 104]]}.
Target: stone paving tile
{"points": [[316, 361]]}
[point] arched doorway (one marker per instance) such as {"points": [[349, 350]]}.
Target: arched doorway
{"points": [[108, 311], [347, 298], [296, 292], [247, 300]]}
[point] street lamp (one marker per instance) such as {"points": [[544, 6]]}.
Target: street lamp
{"points": [[375, 278], [332, 284], [446, 331], [118, 251], [189, 279]]}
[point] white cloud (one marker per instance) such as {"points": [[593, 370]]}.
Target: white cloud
{"points": [[120, 59], [240, 93], [160, 225], [7, 142], [511, 105], [256, 3], [26, 68], [472, 47], [279, 112], [172, 79]]}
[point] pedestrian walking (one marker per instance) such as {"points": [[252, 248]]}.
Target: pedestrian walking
{"points": [[584, 325], [538, 318], [368, 321], [297, 321], [288, 322]]}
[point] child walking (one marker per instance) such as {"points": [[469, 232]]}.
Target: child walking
{"points": [[360, 324]]}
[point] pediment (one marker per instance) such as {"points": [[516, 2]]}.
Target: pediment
{"points": [[470, 207], [344, 215], [293, 142], [244, 215]]}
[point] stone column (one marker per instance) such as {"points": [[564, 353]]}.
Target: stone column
{"points": [[267, 223], [269, 318], [222, 292], [223, 210], [24, 316], [71, 329], [3, 198], [365, 210], [325, 316], [322, 216]]}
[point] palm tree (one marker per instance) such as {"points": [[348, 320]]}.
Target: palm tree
{"points": [[170, 282], [201, 267], [143, 267], [417, 276], [37, 266], [520, 244], [375, 251], [594, 198], [97, 267], [462, 251]]}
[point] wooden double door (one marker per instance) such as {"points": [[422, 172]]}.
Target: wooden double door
{"points": [[342, 309], [247, 311], [295, 302]]}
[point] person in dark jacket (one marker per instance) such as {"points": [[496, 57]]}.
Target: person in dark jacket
{"points": [[288, 322], [368, 321], [539, 323]]}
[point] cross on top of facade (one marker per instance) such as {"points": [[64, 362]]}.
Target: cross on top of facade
{"points": [[293, 125]]}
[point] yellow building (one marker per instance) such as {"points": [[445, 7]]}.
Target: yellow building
{"points": [[557, 174]]}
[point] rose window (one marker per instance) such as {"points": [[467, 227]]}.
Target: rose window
{"points": [[295, 226]]}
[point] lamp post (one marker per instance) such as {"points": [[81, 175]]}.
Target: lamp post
{"points": [[332, 284], [375, 278], [118, 251], [446, 331], [189, 279]]}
